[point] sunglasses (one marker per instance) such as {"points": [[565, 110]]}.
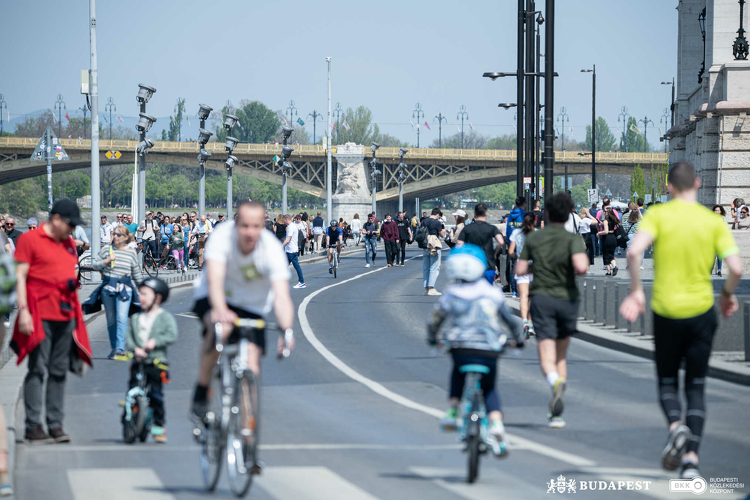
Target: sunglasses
{"points": [[120, 234], [9, 224]]}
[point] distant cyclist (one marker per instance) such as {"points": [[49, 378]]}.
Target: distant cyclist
{"points": [[334, 239], [683, 304], [247, 275]]}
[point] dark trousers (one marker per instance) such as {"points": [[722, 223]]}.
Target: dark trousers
{"points": [[590, 240], [391, 251], [150, 245], [294, 260], [689, 339], [491, 397], [50, 359], [401, 251], [155, 393]]}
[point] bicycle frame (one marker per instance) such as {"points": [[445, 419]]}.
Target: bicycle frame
{"points": [[472, 413], [140, 390]]}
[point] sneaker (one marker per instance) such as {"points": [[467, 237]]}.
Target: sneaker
{"points": [[433, 292], [604, 268], [367, 265], [111, 354], [6, 489], [689, 470], [330, 270], [718, 273], [614, 271], [556, 422], [120, 355], [159, 434], [496, 441], [676, 444], [526, 331], [531, 329], [36, 435], [556, 403], [449, 422], [300, 285], [59, 435], [402, 265], [514, 295]]}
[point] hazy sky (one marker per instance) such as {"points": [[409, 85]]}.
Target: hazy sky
{"points": [[387, 55]]}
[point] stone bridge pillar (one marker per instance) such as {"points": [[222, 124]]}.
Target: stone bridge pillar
{"points": [[352, 195]]}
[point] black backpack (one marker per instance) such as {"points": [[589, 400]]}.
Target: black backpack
{"points": [[421, 236], [622, 236]]}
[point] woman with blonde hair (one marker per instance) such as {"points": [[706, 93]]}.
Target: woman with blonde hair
{"points": [[279, 227]]}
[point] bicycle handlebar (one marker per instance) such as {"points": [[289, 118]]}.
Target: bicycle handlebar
{"points": [[252, 323]]}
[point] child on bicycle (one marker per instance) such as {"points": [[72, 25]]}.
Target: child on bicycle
{"points": [[473, 319], [149, 333]]}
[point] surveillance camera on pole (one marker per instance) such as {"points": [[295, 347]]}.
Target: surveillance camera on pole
{"points": [[145, 122], [286, 133], [144, 146], [204, 111], [284, 165], [203, 156], [401, 178], [231, 162], [229, 122], [231, 144], [374, 172], [144, 93], [204, 136]]}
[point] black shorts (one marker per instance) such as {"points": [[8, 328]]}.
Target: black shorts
{"points": [[257, 337], [553, 318]]}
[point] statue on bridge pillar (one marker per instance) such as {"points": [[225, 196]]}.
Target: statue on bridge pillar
{"points": [[352, 193]]}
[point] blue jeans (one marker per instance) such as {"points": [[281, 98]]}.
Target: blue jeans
{"points": [[371, 246], [513, 284], [430, 268], [187, 255], [490, 277], [294, 260], [117, 308]]}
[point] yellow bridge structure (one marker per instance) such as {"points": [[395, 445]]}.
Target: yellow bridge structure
{"points": [[432, 172]]}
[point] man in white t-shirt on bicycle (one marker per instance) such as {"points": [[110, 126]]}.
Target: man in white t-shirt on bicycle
{"points": [[246, 276]]}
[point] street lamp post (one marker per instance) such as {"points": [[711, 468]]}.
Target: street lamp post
{"points": [[671, 107], [462, 114], [109, 107], [645, 123], [623, 116], [338, 111], [292, 110], [4, 105], [562, 119], [329, 162], [204, 135], [702, 24], [418, 114], [593, 124], [440, 118], [549, 99], [179, 122], [94, 89], [665, 120], [144, 125], [315, 115], [59, 106], [401, 178], [374, 172], [229, 122], [286, 167]]}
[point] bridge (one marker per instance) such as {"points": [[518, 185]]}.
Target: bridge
{"points": [[432, 172]]}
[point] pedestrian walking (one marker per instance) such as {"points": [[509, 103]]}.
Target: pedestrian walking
{"points": [[291, 248], [5, 487], [356, 229], [630, 225], [460, 217], [301, 222], [177, 244], [513, 222], [32, 223], [609, 240], [370, 230], [554, 256], [719, 210], [404, 237], [682, 302], [279, 227], [132, 226], [517, 241], [389, 233], [49, 329], [165, 234], [484, 235], [318, 230], [118, 264], [435, 231], [538, 215], [589, 236]]}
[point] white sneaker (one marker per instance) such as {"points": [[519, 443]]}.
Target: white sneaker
{"points": [[433, 292], [496, 441], [367, 265], [300, 285]]}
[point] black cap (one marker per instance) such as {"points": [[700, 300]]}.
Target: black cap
{"points": [[68, 211]]}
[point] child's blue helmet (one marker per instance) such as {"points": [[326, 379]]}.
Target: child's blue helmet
{"points": [[466, 263]]}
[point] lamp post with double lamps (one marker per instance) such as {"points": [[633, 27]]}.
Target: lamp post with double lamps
{"points": [[229, 122], [204, 136], [59, 106], [418, 114], [593, 123], [374, 172], [109, 107], [463, 114], [401, 177]]}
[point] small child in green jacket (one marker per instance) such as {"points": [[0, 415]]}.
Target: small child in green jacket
{"points": [[149, 334]]}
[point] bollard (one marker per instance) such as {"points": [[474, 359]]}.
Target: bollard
{"points": [[621, 292], [647, 320], [599, 301]]}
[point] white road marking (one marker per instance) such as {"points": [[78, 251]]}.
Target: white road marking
{"points": [[403, 401], [125, 448], [454, 480], [116, 484], [188, 315], [310, 483]]}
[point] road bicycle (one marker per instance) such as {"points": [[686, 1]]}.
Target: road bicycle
{"points": [[150, 263], [335, 261], [137, 419], [231, 426], [473, 426]]}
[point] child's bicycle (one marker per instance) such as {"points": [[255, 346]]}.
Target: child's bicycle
{"points": [[138, 417]]}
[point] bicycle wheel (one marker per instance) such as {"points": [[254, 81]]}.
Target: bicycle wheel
{"points": [[84, 268], [335, 265], [242, 435], [212, 450], [140, 412], [150, 265]]}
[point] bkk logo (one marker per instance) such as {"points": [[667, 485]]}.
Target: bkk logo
{"points": [[563, 485], [696, 486]]}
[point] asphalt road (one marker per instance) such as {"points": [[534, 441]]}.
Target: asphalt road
{"points": [[352, 413]]}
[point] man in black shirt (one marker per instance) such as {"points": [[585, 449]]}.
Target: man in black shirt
{"points": [[10, 229], [539, 215], [404, 236], [482, 234]]}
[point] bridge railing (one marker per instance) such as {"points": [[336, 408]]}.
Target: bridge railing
{"points": [[315, 150]]}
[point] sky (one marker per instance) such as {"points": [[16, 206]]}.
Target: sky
{"points": [[387, 55]]}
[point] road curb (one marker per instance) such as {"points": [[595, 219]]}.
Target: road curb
{"points": [[642, 346]]}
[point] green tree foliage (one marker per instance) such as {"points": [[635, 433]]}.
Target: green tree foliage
{"points": [[361, 128], [637, 182], [605, 139], [472, 140], [34, 126], [504, 194], [257, 123], [22, 198], [505, 141], [634, 141], [175, 122]]}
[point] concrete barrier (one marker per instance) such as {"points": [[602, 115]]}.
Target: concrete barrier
{"points": [[622, 289], [730, 335]]}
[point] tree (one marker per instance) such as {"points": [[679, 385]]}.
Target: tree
{"points": [[503, 194], [605, 139], [472, 140], [505, 141], [111, 175], [633, 137], [35, 126], [175, 122], [361, 129], [257, 124], [637, 182], [22, 198]]}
